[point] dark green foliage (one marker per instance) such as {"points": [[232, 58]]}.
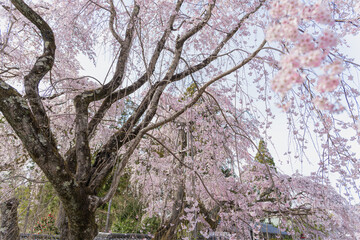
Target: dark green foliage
{"points": [[226, 171], [127, 211], [263, 155], [36, 204]]}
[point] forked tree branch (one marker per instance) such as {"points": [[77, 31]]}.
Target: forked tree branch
{"points": [[126, 157], [149, 104], [117, 95], [82, 101]]}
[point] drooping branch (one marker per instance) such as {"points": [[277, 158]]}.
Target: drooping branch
{"points": [[181, 162], [203, 88], [121, 166]]}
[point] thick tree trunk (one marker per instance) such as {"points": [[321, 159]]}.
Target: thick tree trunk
{"points": [[84, 228], [76, 226], [9, 229]]}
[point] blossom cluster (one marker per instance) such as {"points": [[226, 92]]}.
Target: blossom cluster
{"points": [[304, 47]]}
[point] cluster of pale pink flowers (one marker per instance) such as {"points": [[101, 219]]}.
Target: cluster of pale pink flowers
{"points": [[286, 29], [284, 7], [321, 14], [327, 83], [305, 42], [288, 77], [323, 104], [303, 49], [328, 39]]}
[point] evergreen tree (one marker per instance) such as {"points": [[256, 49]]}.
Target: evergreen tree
{"points": [[263, 155]]}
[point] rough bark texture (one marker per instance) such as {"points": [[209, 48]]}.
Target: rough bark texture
{"points": [[78, 227], [84, 228], [9, 229], [81, 218]]}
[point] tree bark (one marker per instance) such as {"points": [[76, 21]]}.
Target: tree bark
{"points": [[77, 226], [62, 223], [27, 216], [84, 227], [9, 229], [108, 224], [80, 219]]}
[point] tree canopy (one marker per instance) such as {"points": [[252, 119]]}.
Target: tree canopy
{"points": [[191, 87]]}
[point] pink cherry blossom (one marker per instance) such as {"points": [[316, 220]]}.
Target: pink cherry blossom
{"points": [[327, 83], [192, 100], [322, 14], [313, 58], [328, 39]]}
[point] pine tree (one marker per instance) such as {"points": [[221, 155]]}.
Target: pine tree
{"points": [[263, 155]]}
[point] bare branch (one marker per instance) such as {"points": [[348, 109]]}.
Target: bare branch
{"points": [[112, 22], [83, 155], [143, 79]]}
